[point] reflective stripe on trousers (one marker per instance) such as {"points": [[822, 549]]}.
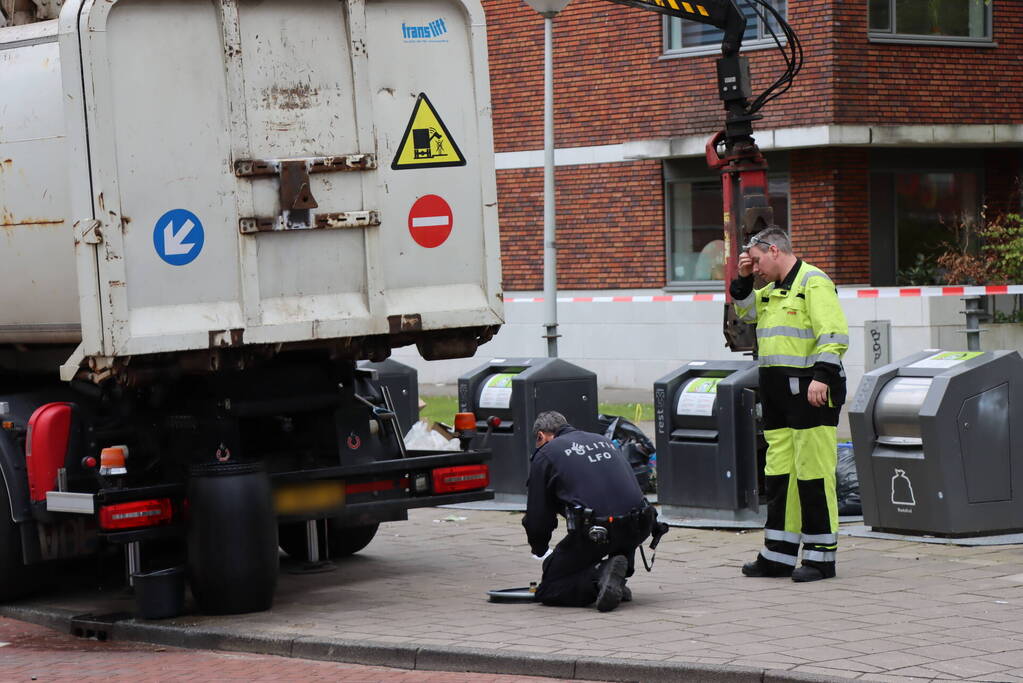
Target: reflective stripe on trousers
{"points": [[790, 537], [819, 556], [780, 558]]}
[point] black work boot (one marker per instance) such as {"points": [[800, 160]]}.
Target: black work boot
{"points": [[626, 594], [610, 582], [761, 568], [814, 572]]}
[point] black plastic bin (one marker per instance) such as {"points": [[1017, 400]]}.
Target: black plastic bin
{"points": [[160, 594], [232, 538]]}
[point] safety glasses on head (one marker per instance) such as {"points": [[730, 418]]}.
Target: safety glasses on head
{"points": [[756, 240]]}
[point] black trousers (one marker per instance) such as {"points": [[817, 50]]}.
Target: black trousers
{"points": [[570, 573]]}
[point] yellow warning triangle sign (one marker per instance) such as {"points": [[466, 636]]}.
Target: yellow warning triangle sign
{"points": [[426, 142]]}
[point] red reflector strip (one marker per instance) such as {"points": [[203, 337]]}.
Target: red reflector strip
{"points": [[139, 513], [461, 478], [370, 486]]}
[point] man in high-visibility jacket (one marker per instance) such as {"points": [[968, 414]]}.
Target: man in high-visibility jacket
{"points": [[801, 337]]}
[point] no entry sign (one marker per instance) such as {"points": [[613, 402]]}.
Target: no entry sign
{"points": [[430, 221]]}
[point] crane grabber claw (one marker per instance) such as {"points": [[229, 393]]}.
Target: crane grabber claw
{"points": [[733, 151]]}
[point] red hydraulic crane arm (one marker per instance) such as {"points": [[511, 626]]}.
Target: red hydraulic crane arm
{"points": [[732, 151]]}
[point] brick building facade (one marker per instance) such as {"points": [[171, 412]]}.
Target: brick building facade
{"points": [[891, 134]]}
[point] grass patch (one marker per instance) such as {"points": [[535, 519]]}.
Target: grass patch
{"points": [[443, 409], [636, 412], [439, 409]]}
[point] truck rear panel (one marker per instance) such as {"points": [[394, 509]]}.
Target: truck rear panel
{"points": [[247, 173]]}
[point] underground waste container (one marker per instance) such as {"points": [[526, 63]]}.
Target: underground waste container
{"points": [[938, 443], [709, 447], [515, 391]]}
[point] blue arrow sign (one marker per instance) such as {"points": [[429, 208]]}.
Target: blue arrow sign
{"points": [[178, 237]]}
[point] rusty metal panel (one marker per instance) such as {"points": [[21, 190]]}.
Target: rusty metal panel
{"points": [[301, 102], [37, 268]]}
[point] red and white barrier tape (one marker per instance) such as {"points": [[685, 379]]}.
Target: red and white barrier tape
{"points": [[843, 293]]}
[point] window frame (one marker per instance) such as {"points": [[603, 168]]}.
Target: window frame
{"points": [[882, 201], [673, 285], [891, 36], [761, 43]]}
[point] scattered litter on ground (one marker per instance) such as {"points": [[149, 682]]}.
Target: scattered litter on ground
{"points": [[450, 518]]}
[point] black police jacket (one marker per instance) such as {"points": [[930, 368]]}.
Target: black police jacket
{"points": [[580, 469]]}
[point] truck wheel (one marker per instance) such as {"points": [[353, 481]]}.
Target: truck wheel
{"points": [[15, 579], [343, 540], [232, 538]]}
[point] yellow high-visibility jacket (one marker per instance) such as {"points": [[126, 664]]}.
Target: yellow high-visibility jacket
{"points": [[801, 326]]}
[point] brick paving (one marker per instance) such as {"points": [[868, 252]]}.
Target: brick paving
{"points": [[36, 653], [898, 611]]}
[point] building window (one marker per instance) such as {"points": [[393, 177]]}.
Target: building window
{"points": [[929, 206], [915, 216], [941, 21], [696, 248], [690, 37]]}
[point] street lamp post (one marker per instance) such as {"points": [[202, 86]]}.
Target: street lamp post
{"points": [[549, 9]]}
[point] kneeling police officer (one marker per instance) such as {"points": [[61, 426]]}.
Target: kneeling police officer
{"points": [[584, 477]]}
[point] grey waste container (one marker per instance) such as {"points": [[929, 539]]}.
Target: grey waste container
{"points": [[708, 441], [935, 448], [516, 390], [403, 383]]}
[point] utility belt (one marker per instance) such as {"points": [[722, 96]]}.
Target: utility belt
{"points": [[639, 520], [581, 519]]}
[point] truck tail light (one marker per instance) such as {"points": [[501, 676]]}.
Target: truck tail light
{"points": [[461, 478], [140, 513]]}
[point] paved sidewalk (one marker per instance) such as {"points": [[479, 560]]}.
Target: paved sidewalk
{"points": [[415, 598]]}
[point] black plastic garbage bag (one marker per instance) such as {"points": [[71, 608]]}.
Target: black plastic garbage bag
{"points": [[635, 446], [848, 482]]}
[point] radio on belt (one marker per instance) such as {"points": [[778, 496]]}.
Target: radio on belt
{"points": [[936, 451], [709, 448], [516, 390]]}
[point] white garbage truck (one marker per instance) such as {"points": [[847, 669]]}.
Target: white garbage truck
{"points": [[210, 212]]}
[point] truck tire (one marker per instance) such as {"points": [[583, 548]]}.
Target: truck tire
{"points": [[232, 538], [343, 540], [15, 578]]}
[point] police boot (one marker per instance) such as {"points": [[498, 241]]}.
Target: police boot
{"points": [[814, 572], [761, 567], [610, 582]]}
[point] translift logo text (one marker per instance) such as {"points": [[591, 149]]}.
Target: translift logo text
{"points": [[433, 32]]}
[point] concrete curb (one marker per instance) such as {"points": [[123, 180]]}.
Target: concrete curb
{"points": [[412, 656], [440, 658], [355, 652]]}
